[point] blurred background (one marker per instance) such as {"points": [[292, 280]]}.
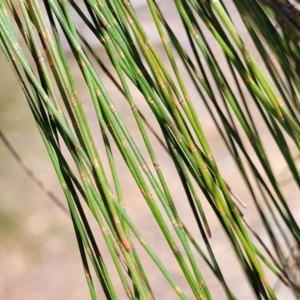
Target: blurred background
{"points": [[39, 257]]}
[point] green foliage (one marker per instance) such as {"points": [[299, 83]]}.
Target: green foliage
{"points": [[89, 179]]}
